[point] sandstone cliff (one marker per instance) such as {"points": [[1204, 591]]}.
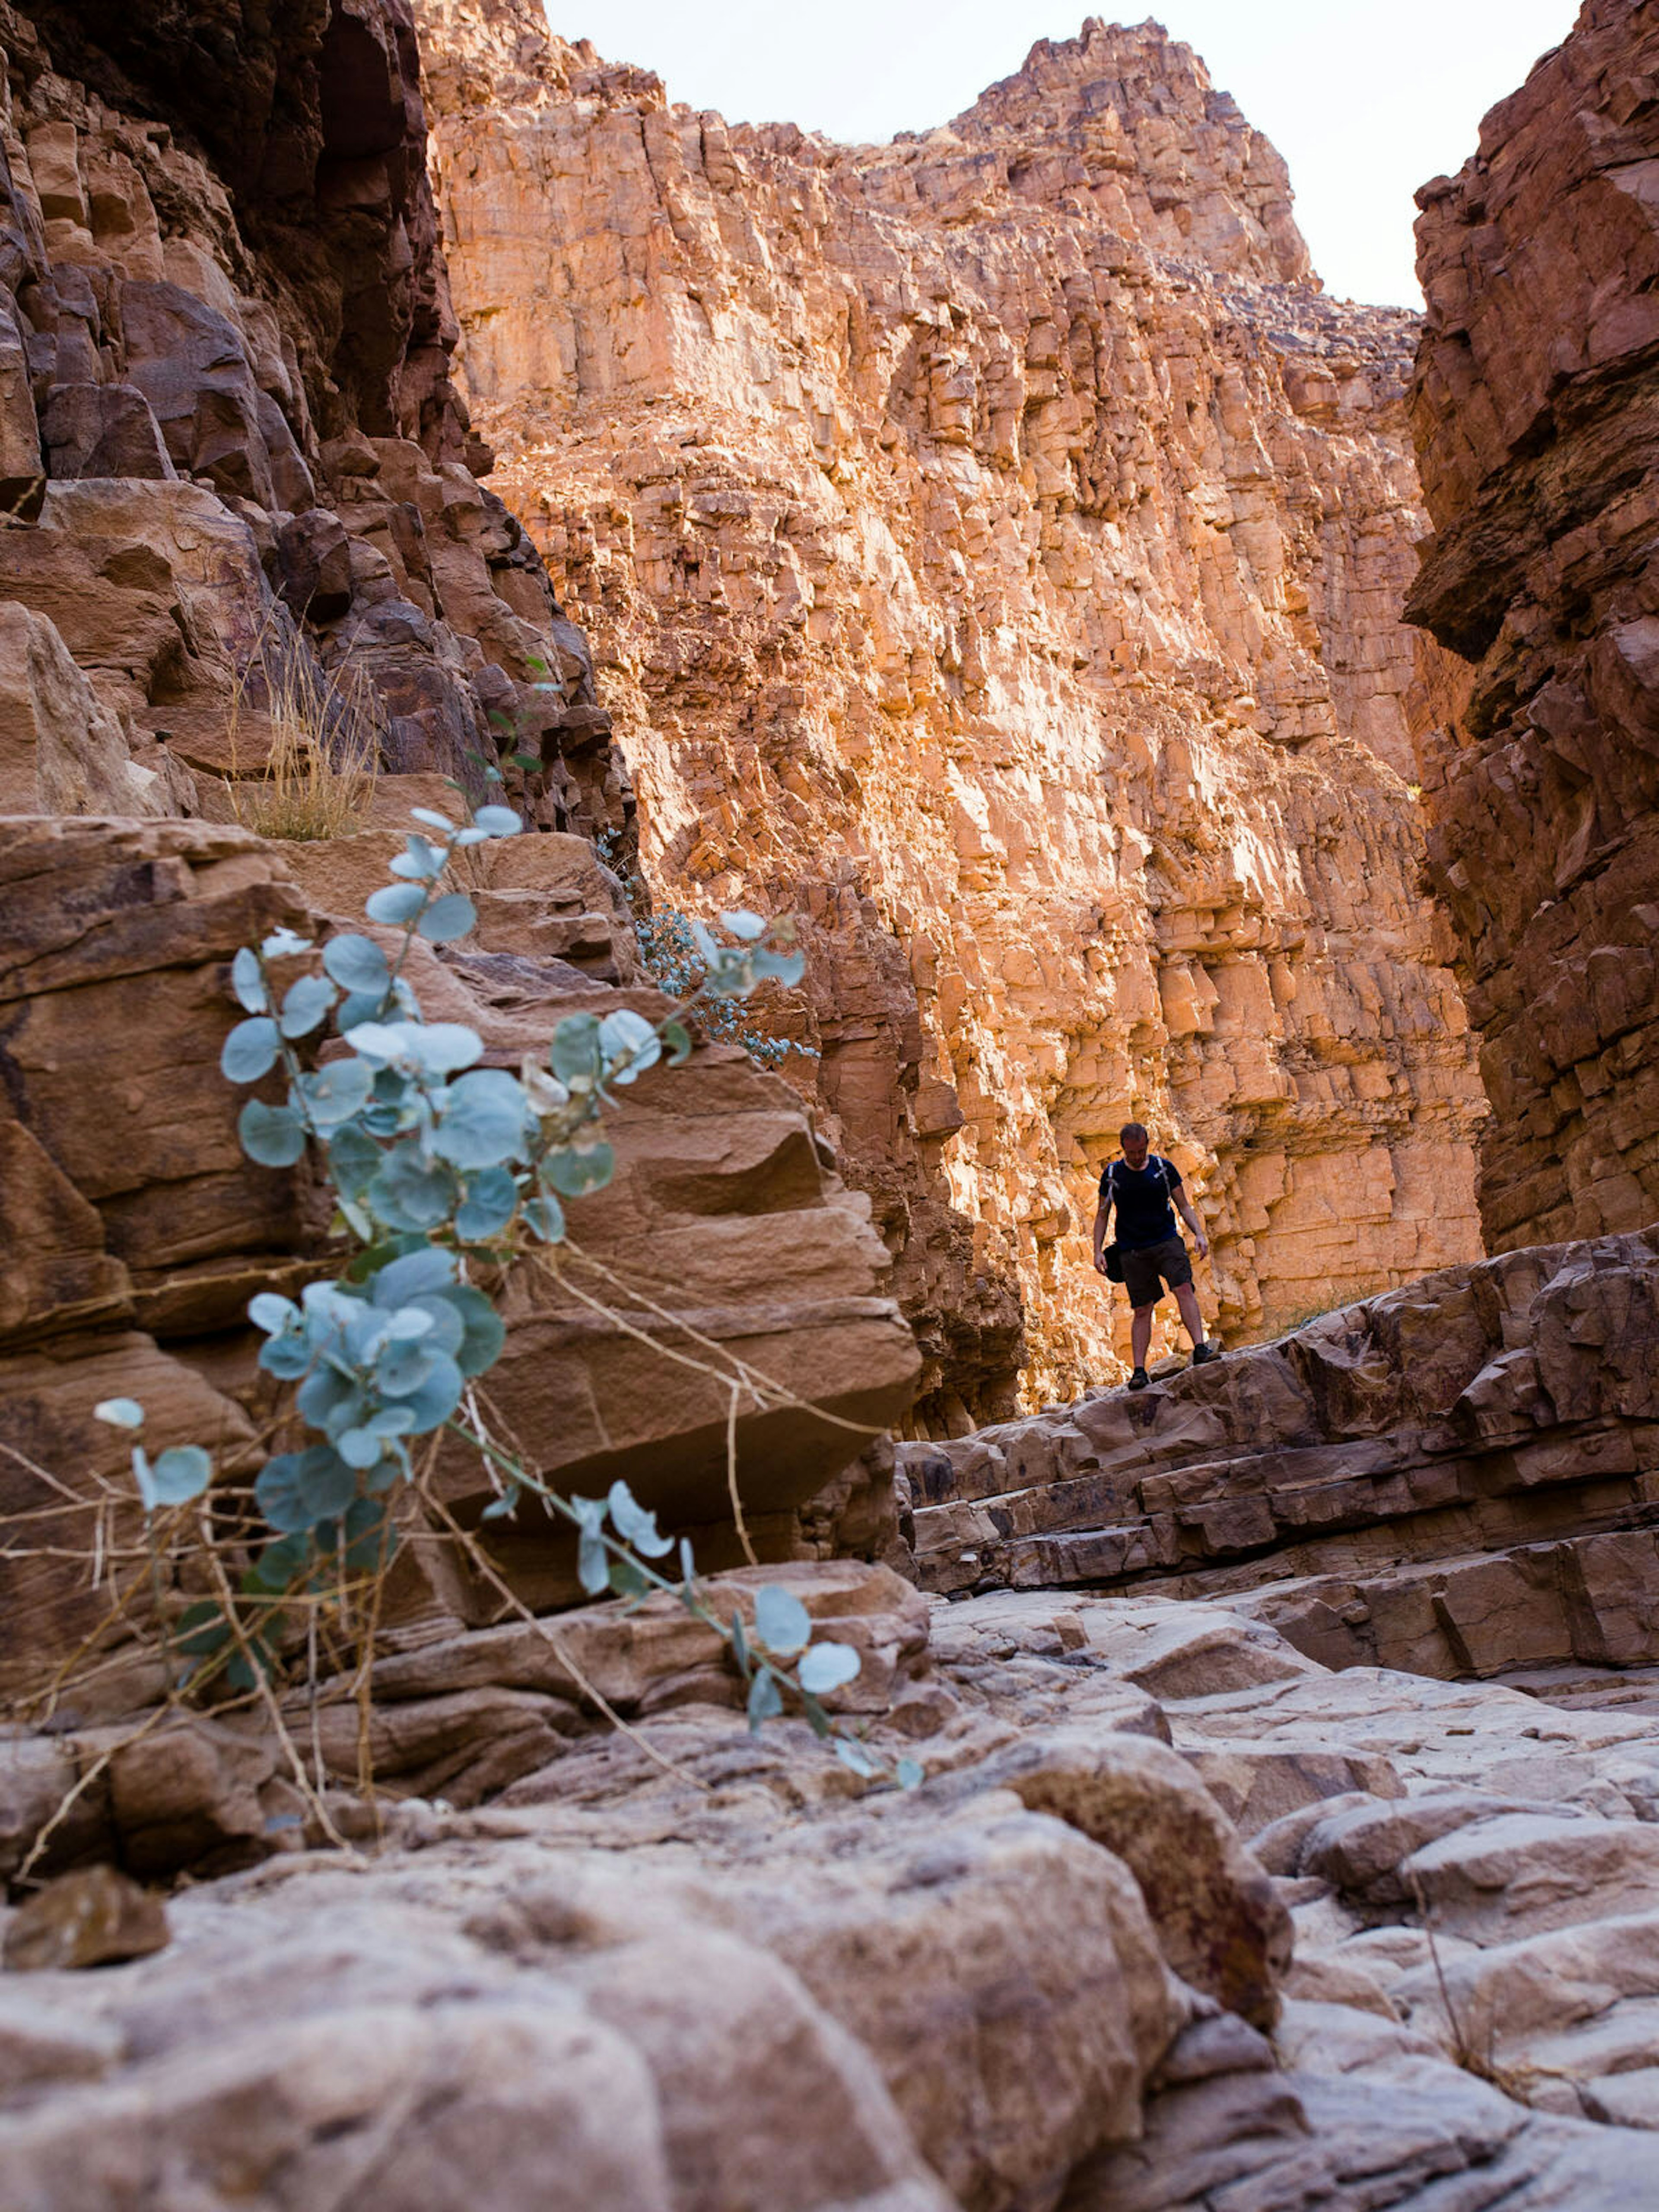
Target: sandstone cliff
{"points": [[234, 461], [996, 539], [1537, 426]]}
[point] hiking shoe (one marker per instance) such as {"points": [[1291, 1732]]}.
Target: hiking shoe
{"points": [[1138, 1380], [1203, 1354]]}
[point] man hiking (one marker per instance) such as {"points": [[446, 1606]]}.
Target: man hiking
{"points": [[1147, 1192]]}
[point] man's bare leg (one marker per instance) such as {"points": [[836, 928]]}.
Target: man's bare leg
{"points": [[1140, 1333], [1187, 1299]]}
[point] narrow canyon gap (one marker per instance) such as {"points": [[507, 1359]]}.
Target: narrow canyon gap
{"points": [[994, 543]]}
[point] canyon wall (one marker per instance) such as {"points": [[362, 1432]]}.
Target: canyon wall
{"points": [[995, 541], [1536, 408], [1170, 1909], [235, 462], [228, 411]]}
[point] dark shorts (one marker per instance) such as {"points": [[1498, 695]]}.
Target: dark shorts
{"points": [[1148, 1272]]}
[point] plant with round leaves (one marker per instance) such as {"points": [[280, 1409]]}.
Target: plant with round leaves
{"points": [[174, 1476], [437, 1162], [672, 952]]}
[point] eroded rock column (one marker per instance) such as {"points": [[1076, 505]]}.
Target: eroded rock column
{"points": [[1536, 414]]}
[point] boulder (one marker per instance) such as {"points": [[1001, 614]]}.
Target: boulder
{"points": [[94, 1917], [314, 556], [190, 363], [1521, 1873], [103, 430], [893, 2015], [1367, 1850], [1221, 1926], [62, 751]]}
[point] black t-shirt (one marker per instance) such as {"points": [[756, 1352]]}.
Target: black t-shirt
{"points": [[1140, 1197]]}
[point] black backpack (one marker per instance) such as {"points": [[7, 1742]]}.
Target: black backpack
{"points": [[1113, 1255]]}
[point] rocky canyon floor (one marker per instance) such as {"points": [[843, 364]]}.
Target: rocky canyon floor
{"points": [[1180, 1916]]}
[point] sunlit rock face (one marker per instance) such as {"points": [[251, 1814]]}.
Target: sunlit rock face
{"points": [[1536, 419], [995, 541]]}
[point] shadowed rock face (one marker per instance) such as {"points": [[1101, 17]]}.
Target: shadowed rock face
{"points": [[137, 1232], [310, 116], [226, 409], [1536, 410], [1000, 529], [227, 428]]}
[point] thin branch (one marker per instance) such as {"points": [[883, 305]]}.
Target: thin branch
{"points": [[267, 1695], [44, 1836], [731, 1474]]}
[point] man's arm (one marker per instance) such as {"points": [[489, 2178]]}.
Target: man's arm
{"points": [[1183, 1206], [1102, 1213]]}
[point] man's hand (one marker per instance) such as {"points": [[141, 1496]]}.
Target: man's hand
{"points": [[1189, 1216], [1100, 1263]]}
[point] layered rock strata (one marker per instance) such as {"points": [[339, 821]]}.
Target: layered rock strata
{"points": [[1458, 1477], [1537, 427], [1002, 526], [134, 1246]]}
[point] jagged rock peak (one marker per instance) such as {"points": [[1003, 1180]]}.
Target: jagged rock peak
{"points": [[988, 555], [1122, 114], [504, 53], [1127, 108]]}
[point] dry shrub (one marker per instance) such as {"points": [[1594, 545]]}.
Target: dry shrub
{"points": [[326, 740]]}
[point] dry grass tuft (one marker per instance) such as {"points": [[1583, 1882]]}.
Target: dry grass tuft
{"points": [[326, 733]]}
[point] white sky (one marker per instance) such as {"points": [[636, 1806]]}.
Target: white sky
{"points": [[1365, 99]]}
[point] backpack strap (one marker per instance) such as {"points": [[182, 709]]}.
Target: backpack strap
{"points": [[1154, 1160]]}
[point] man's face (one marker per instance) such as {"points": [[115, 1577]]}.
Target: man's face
{"points": [[1134, 1151]]}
